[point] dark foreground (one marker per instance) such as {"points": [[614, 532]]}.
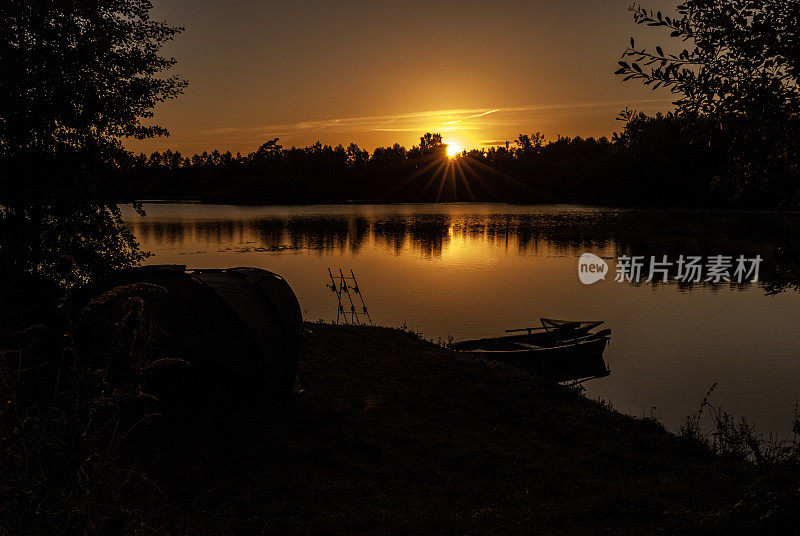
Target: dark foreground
{"points": [[393, 435]]}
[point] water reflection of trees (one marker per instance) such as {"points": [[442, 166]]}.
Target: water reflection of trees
{"points": [[301, 233], [774, 236], [427, 234]]}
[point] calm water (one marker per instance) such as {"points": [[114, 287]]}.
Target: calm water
{"points": [[470, 270]]}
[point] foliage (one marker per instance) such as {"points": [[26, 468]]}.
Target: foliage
{"points": [[431, 144], [75, 399], [738, 438], [738, 80], [769, 504], [532, 169], [77, 77]]}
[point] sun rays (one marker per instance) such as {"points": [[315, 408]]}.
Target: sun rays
{"points": [[453, 178]]}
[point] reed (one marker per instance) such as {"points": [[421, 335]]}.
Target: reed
{"points": [[75, 402], [738, 439]]}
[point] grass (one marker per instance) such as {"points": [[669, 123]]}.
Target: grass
{"points": [[390, 434], [738, 439]]}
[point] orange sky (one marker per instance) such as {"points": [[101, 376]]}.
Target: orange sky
{"points": [[383, 72]]}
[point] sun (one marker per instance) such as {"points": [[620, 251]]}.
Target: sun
{"points": [[454, 149]]}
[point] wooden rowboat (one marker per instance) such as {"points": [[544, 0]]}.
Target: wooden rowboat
{"points": [[556, 345]]}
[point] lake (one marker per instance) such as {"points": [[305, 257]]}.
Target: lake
{"points": [[474, 270]]}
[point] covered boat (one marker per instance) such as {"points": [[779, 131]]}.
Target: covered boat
{"points": [[240, 327]]}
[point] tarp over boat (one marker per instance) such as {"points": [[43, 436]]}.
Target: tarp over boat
{"points": [[244, 323]]}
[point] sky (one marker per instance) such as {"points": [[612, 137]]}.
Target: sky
{"points": [[377, 72]]}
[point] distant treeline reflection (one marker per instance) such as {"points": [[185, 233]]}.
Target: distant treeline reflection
{"points": [[629, 232]]}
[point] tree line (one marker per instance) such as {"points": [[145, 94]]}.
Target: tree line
{"points": [[653, 161]]}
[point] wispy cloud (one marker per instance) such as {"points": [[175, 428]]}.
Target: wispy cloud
{"points": [[443, 120], [492, 142], [473, 115]]}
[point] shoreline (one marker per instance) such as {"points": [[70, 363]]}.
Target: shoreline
{"points": [[389, 433], [655, 208]]}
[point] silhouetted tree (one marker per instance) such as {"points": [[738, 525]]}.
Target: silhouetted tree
{"points": [[432, 144], [77, 77], [661, 160], [269, 147], [385, 156], [738, 79], [356, 157], [528, 145]]}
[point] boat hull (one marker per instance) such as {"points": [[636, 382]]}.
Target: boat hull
{"points": [[577, 350], [564, 350], [564, 364]]}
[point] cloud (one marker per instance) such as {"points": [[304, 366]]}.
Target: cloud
{"points": [[492, 143], [510, 118]]}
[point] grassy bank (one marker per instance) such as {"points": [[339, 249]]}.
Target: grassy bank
{"points": [[390, 434]]}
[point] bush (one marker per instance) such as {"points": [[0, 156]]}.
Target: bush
{"points": [[75, 401]]}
